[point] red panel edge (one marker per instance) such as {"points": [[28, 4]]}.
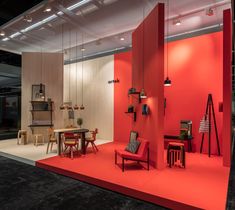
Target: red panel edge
{"points": [[227, 87], [118, 188]]}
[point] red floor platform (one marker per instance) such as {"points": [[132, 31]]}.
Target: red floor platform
{"points": [[202, 185]]}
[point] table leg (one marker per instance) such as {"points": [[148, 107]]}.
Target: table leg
{"points": [[83, 144], [59, 144]]}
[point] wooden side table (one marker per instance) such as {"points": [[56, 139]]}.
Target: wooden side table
{"points": [[22, 137], [176, 154]]}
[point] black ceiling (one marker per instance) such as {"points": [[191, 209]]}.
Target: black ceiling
{"points": [[12, 8]]}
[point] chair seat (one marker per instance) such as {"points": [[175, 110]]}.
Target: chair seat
{"points": [[53, 140], [89, 139], [70, 142], [129, 155]]}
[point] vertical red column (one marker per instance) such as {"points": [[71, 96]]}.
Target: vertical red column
{"points": [[148, 64], [227, 87]]}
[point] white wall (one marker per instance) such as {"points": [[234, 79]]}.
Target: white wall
{"points": [[98, 95]]}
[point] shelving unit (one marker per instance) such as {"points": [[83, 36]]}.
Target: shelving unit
{"points": [[41, 114]]}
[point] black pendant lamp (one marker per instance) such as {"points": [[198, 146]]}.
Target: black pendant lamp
{"points": [[142, 92], [167, 82]]}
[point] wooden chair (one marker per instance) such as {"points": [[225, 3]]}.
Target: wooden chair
{"points": [[71, 142], [91, 140], [142, 154], [22, 137], [51, 139]]}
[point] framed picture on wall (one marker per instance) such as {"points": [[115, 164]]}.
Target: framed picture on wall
{"points": [[38, 92]]}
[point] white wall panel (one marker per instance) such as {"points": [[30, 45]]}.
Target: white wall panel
{"points": [[98, 94]]}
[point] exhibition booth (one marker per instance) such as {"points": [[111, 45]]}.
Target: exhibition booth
{"points": [[187, 125]]}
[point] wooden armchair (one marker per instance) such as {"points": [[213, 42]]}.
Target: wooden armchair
{"points": [[51, 139], [142, 154], [91, 140]]}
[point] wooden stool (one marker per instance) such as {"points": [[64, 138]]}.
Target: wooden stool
{"points": [[22, 137], [176, 154], [37, 137]]}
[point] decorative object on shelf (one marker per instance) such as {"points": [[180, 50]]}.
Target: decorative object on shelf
{"points": [[113, 81], [80, 122], [75, 107], [36, 89], [167, 81], [142, 92], [82, 107], [131, 90], [145, 109], [130, 108], [209, 110]]}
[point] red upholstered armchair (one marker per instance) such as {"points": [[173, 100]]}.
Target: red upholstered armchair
{"points": [[142, 154]]}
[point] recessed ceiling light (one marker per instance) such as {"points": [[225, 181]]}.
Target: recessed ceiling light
{"points": [[122, 38], [28, 18], [2, 33]]}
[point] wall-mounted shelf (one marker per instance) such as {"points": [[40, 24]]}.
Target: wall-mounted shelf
{"points": [[136, 93], [134, 115], [41, 125]]}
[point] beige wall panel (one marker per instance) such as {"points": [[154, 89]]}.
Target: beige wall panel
{"points": [[46, 68], [98, 95]]}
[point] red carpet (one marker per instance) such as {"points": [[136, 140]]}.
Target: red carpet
{"points": [[203, 184]]}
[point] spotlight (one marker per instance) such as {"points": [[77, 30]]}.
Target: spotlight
{"points": [[2, 33], [167, 82], [28, 18], [177, 22], [47, 9], [209, 12], [122, 38]]}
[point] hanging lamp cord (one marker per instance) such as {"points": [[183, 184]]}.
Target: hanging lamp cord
{"points": [[168, 7], [82, 67], [143, 47]]}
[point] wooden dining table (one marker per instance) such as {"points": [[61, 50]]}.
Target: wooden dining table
{"points": [[81, 131]]}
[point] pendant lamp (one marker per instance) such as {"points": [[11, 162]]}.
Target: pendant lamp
{"points": [[41, 91], [167, 81], [69, 107], [76, 107], [142, 93], [82, 107], [62, 106]]}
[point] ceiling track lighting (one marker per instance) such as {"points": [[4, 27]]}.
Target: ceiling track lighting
{"points": [[167, 81]]}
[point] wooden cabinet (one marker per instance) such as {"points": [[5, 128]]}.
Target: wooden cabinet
{"points": [[41, 114]]}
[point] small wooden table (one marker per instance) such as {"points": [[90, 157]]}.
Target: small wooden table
{"points": [[74, 130]]}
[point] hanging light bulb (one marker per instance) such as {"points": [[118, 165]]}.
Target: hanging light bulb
{"points": [[167, 82], [142, 94]]}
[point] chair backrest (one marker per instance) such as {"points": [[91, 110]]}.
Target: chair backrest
{"points": [[50, 132], [143, 148], [69, 135], [93, 133], [133, 135]]}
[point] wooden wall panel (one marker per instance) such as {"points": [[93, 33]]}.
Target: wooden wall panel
{"points": [[46, 68]]}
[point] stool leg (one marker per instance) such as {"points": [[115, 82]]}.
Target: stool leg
{"points": [[36, 141], [48, 146], [18, 136]]}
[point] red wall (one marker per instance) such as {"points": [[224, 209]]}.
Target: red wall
{"points": [[122, 71], [227, 88], [148, 54], [195, 68]]}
